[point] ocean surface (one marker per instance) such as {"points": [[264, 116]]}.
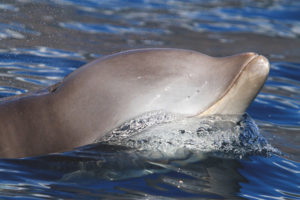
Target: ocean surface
{"points": [[42, 41]]}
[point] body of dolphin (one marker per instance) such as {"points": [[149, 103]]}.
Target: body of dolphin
{"points": [[105, 93]]}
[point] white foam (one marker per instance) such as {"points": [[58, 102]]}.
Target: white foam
{"points": [[165, 134]]}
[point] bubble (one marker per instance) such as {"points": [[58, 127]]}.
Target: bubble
{"points": [[171, 135]]}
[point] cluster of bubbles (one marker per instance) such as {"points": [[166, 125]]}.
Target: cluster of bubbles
{"points": [[173, 135]]}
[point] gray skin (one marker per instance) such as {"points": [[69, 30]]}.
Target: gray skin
{"points": [[105, 93]]}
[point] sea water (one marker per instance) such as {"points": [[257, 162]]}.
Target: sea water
{"points": [[159, 155]]}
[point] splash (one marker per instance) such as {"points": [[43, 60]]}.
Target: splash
{"points": [[172, 135]]}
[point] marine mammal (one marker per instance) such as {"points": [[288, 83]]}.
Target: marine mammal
{"points": [[102, 94]]}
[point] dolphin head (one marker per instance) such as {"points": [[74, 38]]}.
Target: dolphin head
{"points": [[191, 83], [109, 91], [179, 81]]}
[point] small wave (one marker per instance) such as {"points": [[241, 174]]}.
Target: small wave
{"points": [[171, 134], [157, 142]]}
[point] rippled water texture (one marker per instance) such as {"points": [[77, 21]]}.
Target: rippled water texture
{"points": [[43, 41]]}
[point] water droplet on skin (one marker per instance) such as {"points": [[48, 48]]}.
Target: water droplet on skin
{"points": [[167, 88]]}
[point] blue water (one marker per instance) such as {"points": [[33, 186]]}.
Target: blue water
{"points": [[43, 41]]}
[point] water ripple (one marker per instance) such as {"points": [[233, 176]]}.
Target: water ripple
{"points": [[23, 70], [16, 31], [201, 16], [9, 7], [281, 20], [265, 183], [109, 28]]}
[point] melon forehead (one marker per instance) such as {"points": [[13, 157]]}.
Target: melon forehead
{"points": [[181, 81]]}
